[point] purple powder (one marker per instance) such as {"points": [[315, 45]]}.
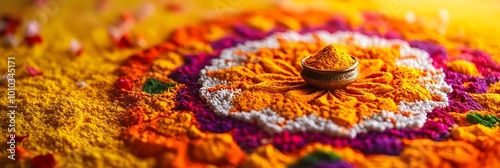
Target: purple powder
{"points": [[248, 32], [436, 52], [249, 136], [227, 42], [459, 99], [336, 24]]}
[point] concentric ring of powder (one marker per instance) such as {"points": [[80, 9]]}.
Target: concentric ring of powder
{"points": [[221, 99]]}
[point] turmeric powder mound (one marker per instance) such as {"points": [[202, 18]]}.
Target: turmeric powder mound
{"points": [[330, 57]]}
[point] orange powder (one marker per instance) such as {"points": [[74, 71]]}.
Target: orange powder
{"points": [[330, 57]]}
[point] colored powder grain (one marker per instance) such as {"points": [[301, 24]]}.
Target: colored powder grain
{"points": [[489, 101], [261, 23], [80, 127], [330, 58], [446, 154], [494, 88], [485, 139], [217, 150], [153, 86], [464, 67], [483, 119], [476, 134], [266, 156], [289, 23], [383, 161]]}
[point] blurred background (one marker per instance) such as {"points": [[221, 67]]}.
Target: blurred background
{"points": [[89, 18]]}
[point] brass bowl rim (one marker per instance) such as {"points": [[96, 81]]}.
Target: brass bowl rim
{"points": [[353, 66]]}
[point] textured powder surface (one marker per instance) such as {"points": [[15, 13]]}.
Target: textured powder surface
{"points": [[330, 58], [226, 92]]}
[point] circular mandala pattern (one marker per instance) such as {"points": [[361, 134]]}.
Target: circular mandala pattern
{"points": [[229, 92], [259, 82]]}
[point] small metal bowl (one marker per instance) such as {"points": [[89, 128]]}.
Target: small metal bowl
{"points": [[330, 79]]}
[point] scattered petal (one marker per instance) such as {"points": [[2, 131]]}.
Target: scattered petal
{"points": [[81, 84], [75, 47], [32, 29], [32, 71], [32, 33], [145, 11]]}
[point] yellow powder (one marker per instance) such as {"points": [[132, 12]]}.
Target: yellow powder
{"points": [[355, 157], [464, 67], [79, 126], [267, 156], [483, 138], [447, 154], [216, 150], [494, 88], [489, 101], [329, 58], [261, 23]]}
